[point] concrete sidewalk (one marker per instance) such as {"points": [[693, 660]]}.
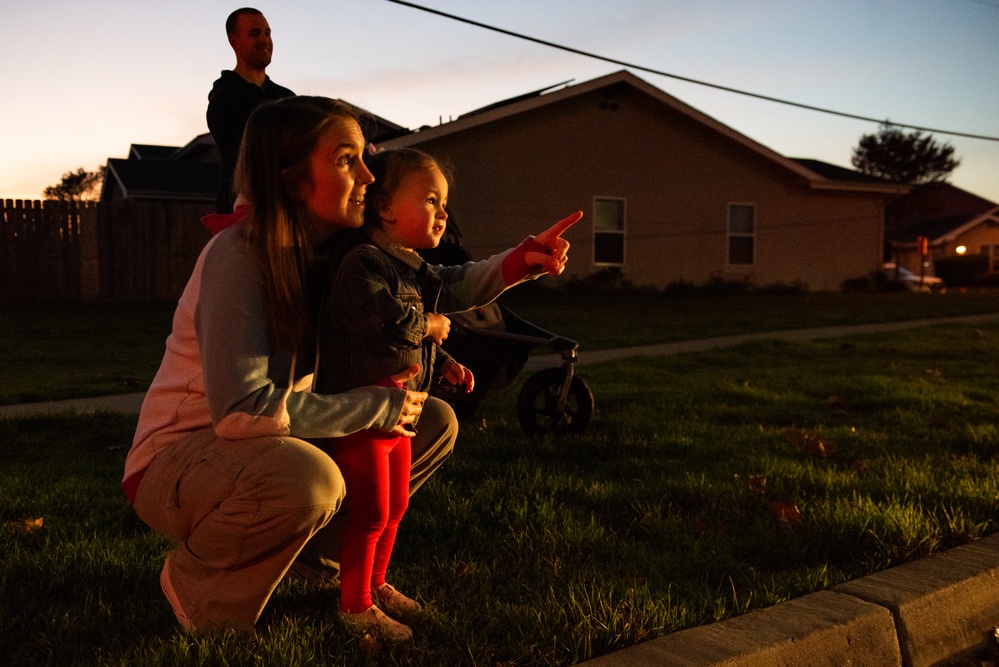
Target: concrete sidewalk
{"points": [[116, 403], [599, 356]]}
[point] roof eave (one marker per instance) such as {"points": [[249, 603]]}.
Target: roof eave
{"points": [[111, 176], [890, 189], [974, 222]]}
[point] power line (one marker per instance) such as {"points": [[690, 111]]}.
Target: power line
{"points": [[688, 79]]}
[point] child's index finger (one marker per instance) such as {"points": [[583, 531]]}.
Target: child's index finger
{"points": [[559, 227]]}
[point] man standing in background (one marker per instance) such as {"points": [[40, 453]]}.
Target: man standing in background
{"points": [[237, 92]]}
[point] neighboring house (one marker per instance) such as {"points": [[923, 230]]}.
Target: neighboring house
{"points": [[191, 173], [165, 173], [953, 221], [669, 193]]}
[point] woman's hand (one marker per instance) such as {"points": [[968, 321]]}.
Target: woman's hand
{"points": [[413, 405], [548, 251]]}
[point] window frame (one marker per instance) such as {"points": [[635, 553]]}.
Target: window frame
{"points": [[731, 235], [608, 232]]}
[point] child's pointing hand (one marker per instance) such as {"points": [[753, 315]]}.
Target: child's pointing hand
{"points": [[548, 249]]}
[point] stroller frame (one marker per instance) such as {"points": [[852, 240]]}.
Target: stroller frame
{"points": [[552, 401]]}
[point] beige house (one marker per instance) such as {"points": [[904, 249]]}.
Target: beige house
{"points": [[669, 193]]}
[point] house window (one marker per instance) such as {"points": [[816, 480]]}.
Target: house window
{"points": [[741, 234], [608, 231]]}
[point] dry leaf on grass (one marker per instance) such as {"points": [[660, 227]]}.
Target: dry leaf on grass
{"points": [[812, 445], [26, 525], [818, 448], [787, 513]]}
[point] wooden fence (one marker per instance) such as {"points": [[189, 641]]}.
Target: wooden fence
{"points": [[53, 251]]}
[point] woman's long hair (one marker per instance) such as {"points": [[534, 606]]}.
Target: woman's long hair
{"points": [[273, 173]]}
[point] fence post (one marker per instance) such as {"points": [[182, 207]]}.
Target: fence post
{"points": [[90, 270]]}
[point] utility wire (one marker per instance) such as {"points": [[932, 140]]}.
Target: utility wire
{"points": [[687, 79]]}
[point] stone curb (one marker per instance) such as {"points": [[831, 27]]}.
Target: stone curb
{"points": [[944, 606], [820, 629], [928, 612]]}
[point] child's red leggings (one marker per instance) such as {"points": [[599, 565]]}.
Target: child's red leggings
{"points": [[375, 467]]}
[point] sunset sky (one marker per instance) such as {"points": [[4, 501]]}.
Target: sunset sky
{"points": [[83, 81]]}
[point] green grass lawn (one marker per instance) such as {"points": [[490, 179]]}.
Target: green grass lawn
{"points": [[76, 350], [708, 484]]}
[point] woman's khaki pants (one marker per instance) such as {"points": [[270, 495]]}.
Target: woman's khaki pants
{"points": [[246, 512]]}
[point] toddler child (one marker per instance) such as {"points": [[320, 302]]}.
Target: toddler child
{"points": [[383, 305]]}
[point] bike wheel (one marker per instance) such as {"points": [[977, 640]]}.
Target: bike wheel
{"points": [[537, 404]]}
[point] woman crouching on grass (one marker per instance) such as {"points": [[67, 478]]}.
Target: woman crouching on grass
{"points": [[221, 460]]}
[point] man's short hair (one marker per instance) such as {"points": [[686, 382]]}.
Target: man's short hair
{"points": [[230, 23]]}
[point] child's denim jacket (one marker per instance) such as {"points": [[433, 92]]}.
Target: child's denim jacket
{"points": [[378, 301]]}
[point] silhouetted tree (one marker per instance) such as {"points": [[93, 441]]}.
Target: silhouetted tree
{"points": [[901, 157], [79, 185]]}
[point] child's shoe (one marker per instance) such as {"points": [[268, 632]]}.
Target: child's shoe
{"points": [[387, 596], [377, 622]]}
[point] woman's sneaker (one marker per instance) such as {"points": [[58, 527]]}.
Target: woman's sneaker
{"points": [[387, 596], [171, 595], [374, 620]]}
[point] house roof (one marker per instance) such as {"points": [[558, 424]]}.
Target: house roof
{"points": [[541, 98], [186, 173], [939, 211], [836, 173], [162, 179], [151, 152], [518, 98], [200, 149], [192, 172], [989, 217]]}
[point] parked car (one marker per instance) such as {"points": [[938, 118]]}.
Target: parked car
{"points": [[911, 281]]}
